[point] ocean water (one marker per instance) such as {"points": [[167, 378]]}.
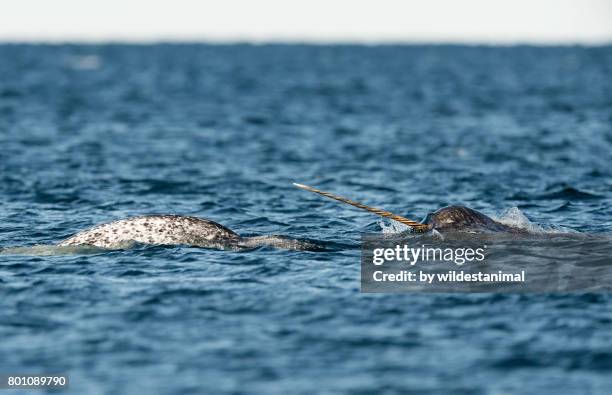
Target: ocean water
{"points": [[89, 134]]}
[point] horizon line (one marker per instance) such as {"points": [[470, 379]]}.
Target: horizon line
{"points": [[298, 41]]}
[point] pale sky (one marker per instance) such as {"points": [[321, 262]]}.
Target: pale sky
{"points": [[484, 21]]}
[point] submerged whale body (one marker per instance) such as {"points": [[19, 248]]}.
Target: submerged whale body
{"points": [[461, 218], [176, 230]]}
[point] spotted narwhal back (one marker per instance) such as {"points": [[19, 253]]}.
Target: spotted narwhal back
{"points": [[154, 229]]}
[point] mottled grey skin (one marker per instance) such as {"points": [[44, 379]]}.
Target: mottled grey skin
{"points": [[176, 230], [154, 229], [464, 219]]}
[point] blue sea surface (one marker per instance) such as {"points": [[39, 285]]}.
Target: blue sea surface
{"points": [[94, 133]]}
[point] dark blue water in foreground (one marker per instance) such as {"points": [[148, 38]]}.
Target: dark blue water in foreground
{"points": [[90, 134]]}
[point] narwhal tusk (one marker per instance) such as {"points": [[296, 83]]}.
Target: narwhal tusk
{"points": [[417, 226]]}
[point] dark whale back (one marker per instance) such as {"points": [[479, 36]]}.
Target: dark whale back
{"points": [[461, 218]]}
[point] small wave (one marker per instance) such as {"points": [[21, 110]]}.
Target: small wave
{"points": [[567, 193], [570, 193], [563, 207]]}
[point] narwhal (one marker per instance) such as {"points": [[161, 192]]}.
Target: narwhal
{"points": [[176, 230], [202, 232], [447, 219]]}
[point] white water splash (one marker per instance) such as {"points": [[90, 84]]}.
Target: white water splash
{"points": [[437, 234], [514, 217], [393, 227]]}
